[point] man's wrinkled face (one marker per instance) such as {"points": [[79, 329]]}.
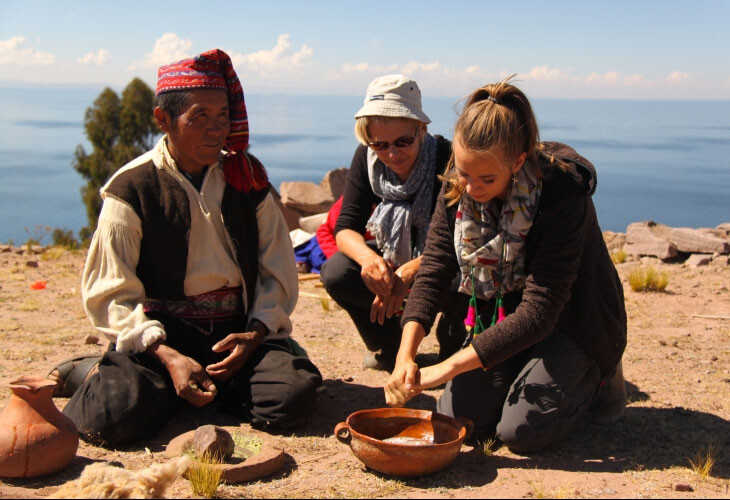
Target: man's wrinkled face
{"points": [[197, 136]]}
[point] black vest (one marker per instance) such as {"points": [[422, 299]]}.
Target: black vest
{"points": [[163, 207]]}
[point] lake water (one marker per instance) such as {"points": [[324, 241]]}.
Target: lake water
{"points": [[663, 160]]}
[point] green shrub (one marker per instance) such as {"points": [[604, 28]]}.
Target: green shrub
{"points": [[64, 238]]}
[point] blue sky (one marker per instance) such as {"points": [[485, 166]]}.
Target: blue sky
{"points": [[620, 49]]}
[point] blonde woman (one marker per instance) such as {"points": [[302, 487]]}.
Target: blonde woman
{"points": [[390, 193], [517, 227]]}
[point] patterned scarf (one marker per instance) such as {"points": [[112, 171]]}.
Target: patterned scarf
{"points": [[214, 70], [491, 244], [404, 205]]}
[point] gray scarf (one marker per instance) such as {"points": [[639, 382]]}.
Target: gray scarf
{"points": [[404, 205]]}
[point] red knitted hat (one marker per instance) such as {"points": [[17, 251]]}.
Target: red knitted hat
{"points": [[214, 70]]}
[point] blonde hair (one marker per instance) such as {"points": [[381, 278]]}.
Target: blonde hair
{"points": [[362, 123], [497, 116]]}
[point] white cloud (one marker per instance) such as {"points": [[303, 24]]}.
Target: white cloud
{"points": [[545, 73], [677, 77], [11, 52], [280, 59], [608, 78], [635, 80], [98, 58], [168, 48]]}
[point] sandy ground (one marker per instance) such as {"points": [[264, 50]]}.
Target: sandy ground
{"points": [[677, 367]]}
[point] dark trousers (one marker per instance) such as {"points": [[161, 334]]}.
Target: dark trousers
{"points": [[342, 281], [132, 396], [531, 400]]}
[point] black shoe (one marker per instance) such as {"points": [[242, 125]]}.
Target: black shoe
{"points": [[378, 361], [610, 403]]}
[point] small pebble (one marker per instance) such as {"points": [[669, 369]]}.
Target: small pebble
{"points": [[683, 487], [32, 263], [348, 379], [91, 339]]}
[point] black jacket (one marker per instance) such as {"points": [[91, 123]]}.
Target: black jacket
{"points": [[571, 284]]}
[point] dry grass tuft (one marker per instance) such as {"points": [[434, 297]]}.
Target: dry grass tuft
{"points": [[619, 256], [204, 476], [648, 279], [489, 446], [53, 253], [703, 461]]}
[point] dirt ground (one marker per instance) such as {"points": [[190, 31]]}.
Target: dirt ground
{"points": [[677, 367]]}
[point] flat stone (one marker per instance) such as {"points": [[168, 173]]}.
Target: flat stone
{"points": [[334, 182], [699, 259], [306, 197], [696, 241], [267, 461], [213, 441], [641, 240]]}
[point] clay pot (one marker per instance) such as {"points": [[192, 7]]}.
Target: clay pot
{"points": [[404, 442], [35, 438]]}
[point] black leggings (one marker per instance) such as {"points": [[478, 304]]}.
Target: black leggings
{"points": [[532, 399]]}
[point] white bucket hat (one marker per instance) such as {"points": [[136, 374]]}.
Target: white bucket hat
{"points": [[395, 96]]}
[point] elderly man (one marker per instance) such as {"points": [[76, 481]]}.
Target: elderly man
{"points": [[191, 276]]}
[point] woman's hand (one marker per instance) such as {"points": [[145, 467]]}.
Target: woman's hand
{"points": [[386, 307], [377, 275], [402, 384], [241, 347]]}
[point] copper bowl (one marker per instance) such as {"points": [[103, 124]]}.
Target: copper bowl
{"points": [[402, 441]]}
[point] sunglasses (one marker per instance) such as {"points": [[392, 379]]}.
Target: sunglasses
{"points": [[400, 142]]}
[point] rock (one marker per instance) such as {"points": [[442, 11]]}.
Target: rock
{"points": [[19, 251], [91, 339], [32, 263], [695, 241], [290, 216], [614, 241], [683, 487], [698, 259], [5, 248], [334, 182], [724, 227], [641, 240], [213, 440], [306, 197], [720, 260], [37, 249]]}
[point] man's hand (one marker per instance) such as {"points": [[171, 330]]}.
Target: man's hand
{"points": [[241, 347], [190, 380], [403, 383], [377, 275]]}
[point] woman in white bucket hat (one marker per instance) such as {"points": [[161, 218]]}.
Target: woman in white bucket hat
{"points": [[391, 193]]}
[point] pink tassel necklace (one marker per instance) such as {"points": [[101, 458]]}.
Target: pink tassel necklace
{"points": [[472, 320]]}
